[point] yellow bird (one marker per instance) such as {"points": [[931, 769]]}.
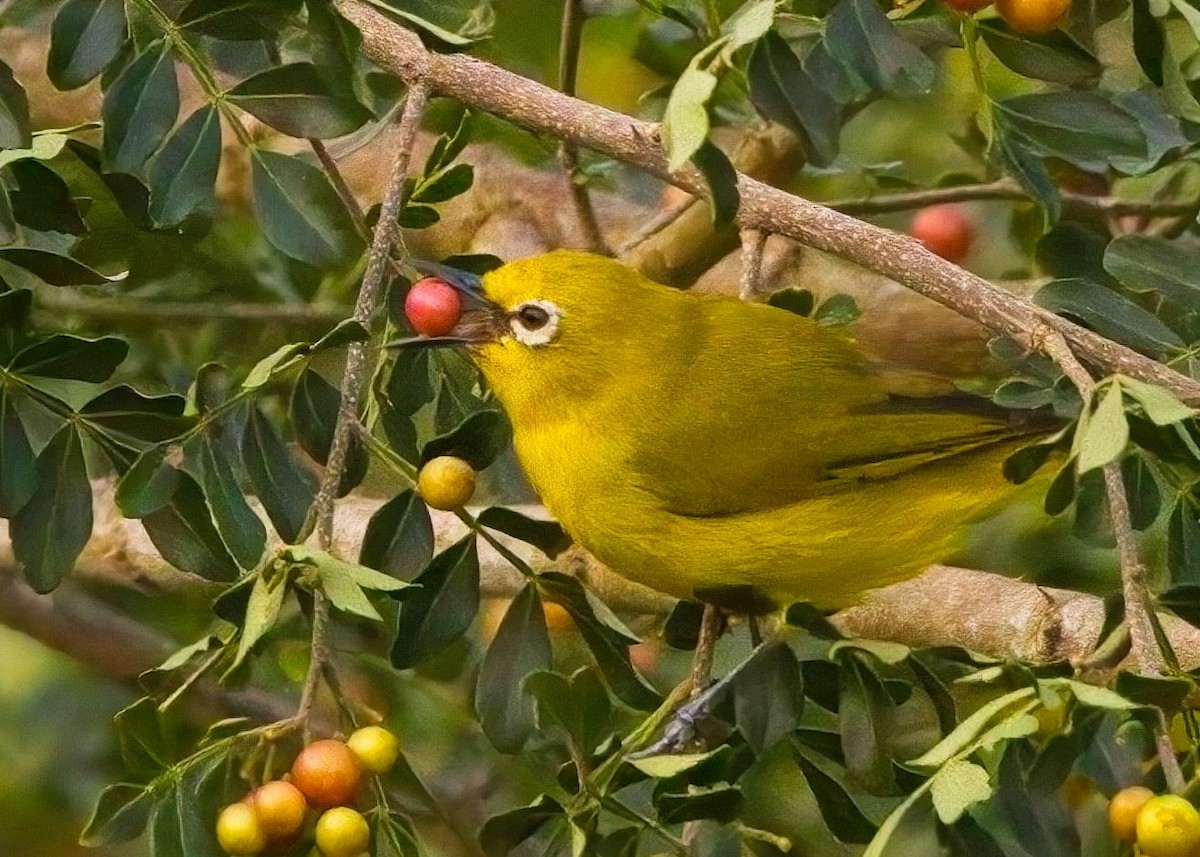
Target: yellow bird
{"points": [[718, 450]]}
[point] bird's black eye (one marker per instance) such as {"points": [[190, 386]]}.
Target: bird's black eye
{"points": [[532, 317]]}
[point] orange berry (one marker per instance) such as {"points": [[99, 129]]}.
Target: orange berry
{"points": [[280, 807], [1033, 17], [327, 773]]}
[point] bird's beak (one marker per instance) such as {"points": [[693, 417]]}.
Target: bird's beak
{"points": [[481, 320]]}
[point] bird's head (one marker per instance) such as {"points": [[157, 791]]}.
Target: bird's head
{"points": [[553, 331]]}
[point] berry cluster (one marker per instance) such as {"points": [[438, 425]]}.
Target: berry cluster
{"points": [[325, 776], [1160, 825]]}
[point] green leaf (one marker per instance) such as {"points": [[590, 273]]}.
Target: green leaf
{"points": [[1141, 490], [184, 533], [238, 20], [52, 268], [670, 765], [418, 216], [183, 175], [446, 148], [345, 332], [782, 90], [393, 834], [1183, 542], [1109, 314], [134, 419], [864, 709], [1084, 128], [685, 123], [837, 311], [502, 833], [148, 485], [8, 224], [547, 536], [456, 24], [577, 705], [183, 818], [344, 582], [453, 182], [1164, 692], [1014, 153], [286, 491], [85, 37], [45, 146], [140, 107], [314, 413], [956, 786], [864, 42], [768, 696], [42, 200], [300, 212], [841, 814], [1105, 434], [241, 530], [121, 813], [1052, 57], [278, 361], [440, 612], [967, 735], [722, 803], [607, 638], [14, 112], [478, 439], [262, 612], [399, 537], [521, 647], [721, 179], [1146, 264], [65, 356], [297, 100], [1148, 42], [51, 529], [1061, 492], [798, 301], [18, 465]]}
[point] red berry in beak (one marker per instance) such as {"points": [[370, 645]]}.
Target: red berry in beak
{"points": [[432, 307]]}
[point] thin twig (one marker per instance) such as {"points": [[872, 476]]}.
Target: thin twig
{"points": [[706, 647], [753, 242], [118, 308], [387, 233], [656, 224], [1135, 589], [1000, 189], [339, 184], [574, 17], [487, 87]]}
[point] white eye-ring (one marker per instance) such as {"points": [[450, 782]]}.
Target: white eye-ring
{"points": [[535, 323]]}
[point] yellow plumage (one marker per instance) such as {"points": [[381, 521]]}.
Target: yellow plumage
{"points": [[711, 448]]}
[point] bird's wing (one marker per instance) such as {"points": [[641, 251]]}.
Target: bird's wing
{"points": [[768, 408]]}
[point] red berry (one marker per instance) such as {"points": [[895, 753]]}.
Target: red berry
{"points": [[944, 229], [432, 307]]}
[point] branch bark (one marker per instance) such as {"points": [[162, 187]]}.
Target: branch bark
{"points": [[484, 86], [987, 613]]}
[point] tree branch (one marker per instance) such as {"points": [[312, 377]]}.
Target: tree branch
{"points": [[484, 86], [986, 613], [58, 302], [574, 17]]}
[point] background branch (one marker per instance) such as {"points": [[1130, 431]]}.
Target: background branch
{"points": [[484, 86]]}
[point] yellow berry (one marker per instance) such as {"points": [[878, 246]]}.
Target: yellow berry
{"points": [[376, 748], [239, 831], [446, 483], [1168, 826], [342, 832]]}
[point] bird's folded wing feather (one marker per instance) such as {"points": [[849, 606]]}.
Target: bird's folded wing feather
{"points": [[753, 422]]}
